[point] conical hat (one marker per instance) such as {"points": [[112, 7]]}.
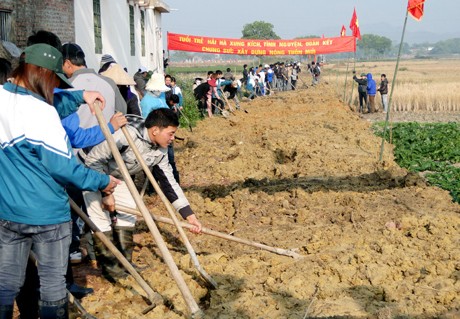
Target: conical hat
{"points": [[118, 75], [157, 83]]}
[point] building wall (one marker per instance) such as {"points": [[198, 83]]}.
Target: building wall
{"points": [[115, 35], [29, 16], [73, 21]]}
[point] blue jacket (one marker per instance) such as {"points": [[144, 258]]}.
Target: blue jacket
{"points": [[151, 102], [66, 101], [37, 161], [371, 86]]}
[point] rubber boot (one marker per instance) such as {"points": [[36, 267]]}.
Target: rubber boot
{"points": [[54, 309], [6, 312], [123, 238], [111, 269]]}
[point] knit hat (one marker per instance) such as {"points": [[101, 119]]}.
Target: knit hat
{"points": [[105, 59], [72, 51], [47, 57], [157, 83], [118, 75]]}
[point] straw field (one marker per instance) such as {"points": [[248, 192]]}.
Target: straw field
{"points": [[421, 85]]}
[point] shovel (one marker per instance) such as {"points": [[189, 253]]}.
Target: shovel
{"points": [[225, 113], [170, 210]]}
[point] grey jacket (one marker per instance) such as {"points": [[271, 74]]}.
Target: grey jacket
{"points": [[88, 79], [100, 158]]}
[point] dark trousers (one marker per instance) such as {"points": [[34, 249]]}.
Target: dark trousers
{"points": [[362, 101]]}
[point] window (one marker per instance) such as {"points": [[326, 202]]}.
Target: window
{"points": [[131, 30], [143, 32], [97, 26], [5, 25]]}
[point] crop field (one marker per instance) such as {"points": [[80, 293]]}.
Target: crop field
{"points": [[421, 85]]}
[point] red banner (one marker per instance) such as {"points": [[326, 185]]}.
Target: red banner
{"points": [[182, 42]]}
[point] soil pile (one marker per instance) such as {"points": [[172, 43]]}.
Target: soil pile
{"points": [[300, 171]]}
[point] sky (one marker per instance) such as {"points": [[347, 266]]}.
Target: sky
{"points": [[295, 18]]}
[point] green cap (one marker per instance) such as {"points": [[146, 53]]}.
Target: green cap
{"points": [[47, 57], [363, 74]]}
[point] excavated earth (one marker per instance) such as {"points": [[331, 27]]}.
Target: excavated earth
{"points": [[298, 171]]}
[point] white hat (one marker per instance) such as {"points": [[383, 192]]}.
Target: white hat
{"points": [[142, 69], [266, 66], [157, 83], [118, 75]]}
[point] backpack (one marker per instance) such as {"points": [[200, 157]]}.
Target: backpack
{"points": [[200, 91], [316, 71]]}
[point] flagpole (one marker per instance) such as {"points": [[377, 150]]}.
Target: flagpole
{"points": [[392, 88], [346, 79], [354, 70], [337, 80]]}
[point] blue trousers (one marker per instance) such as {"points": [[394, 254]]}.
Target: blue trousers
{"points": [[50, 243]]}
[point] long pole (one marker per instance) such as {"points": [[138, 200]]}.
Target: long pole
{"points": [[167, 257], [204, 230], [170, 210], [346, 79], [387, 119], [151, 295], [353, 83]]}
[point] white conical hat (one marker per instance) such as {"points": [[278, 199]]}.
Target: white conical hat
{"points": [[157, 83]]}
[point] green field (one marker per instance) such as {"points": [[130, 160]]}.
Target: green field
{"points": [[433, 149]]}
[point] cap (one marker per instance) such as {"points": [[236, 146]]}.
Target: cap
{"points": [[106, 58], [363, 74], [118, 75], [72, 50], [157, 83], [266, 66], [142, 69], [47, 57]]}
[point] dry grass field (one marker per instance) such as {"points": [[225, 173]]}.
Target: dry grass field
{"points": [[421, 85]]}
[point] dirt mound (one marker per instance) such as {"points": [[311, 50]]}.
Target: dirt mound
{"points": [[300, 171]]}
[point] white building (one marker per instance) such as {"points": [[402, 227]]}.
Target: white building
{"points": [[130, 31]]}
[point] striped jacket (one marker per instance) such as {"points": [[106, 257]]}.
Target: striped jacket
{"points": [[101, 159]]}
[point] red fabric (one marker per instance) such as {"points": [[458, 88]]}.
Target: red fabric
{"points": [[415, 8], [212, 82], [343, 32], [192, 43], [354, 25]]}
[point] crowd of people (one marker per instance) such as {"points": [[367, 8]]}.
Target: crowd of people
{"points": [[52, 148], [57, 151], [367, 89], [214, 92]]}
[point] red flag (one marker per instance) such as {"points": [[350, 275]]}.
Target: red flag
{"points": [[343, 32], [354, 25], [415, 8]]}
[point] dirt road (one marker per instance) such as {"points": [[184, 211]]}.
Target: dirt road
{"points": [[300, 171]]}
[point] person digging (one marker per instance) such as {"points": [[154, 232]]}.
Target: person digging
{"points": [[152, 137]]}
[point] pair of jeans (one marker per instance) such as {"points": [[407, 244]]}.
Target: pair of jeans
{"points": [[50, 243]]}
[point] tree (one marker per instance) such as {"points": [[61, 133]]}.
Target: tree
{"points": [[259, 30], [373, 45], [312, 36], [451, 46]]}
